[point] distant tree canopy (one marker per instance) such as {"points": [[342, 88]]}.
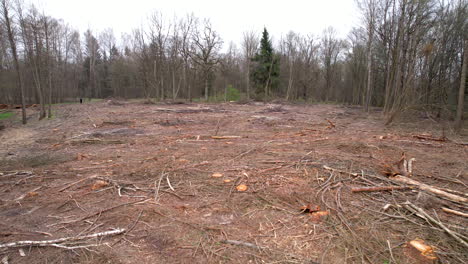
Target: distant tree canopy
{"points": [[404, 55], [265, 74]]}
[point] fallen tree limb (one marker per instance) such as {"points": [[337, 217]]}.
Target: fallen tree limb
{"points": [[341, 171], [16, 173], [75, 183], [431, 189], [423, 215], [425, 137], [96, 141], [379, 188], [56, 242], [450, 211], [225, 137], [105, 210], [187, 110], [240, 243]]}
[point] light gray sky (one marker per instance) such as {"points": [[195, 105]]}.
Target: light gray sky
{"points": [[229, 18]]}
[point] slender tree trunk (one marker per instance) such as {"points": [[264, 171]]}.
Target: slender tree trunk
{"points": [[206, 87], [369, 68], [49, 70], [290, 81], [248, 79], [461, 91], [15, 58], [173, 85]]}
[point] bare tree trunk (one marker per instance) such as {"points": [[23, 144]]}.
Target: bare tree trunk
{"points": [[206, 87], [248, 80], [369, 72], [15, 58], [290, 81], [173, 85], [461, 91], [49, 68]]}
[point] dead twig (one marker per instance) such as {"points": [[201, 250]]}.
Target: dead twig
{"points": [[75, 183], [427, 137], [240, 243], [106, 210], [225, 137], [423, 215], [28, 193], [379, 188], [157, 187]]}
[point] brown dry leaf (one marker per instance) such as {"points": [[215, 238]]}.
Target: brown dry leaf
{"points": [[242, 188], [99, 184], [217, 175], [227, 181]]}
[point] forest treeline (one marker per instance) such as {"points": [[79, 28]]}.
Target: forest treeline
{"points": [[406, 54]]}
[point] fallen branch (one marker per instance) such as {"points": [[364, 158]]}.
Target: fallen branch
{"points": [[16, 173], [187, 110], [450, 211], [28, 193], [431, 189], [379, 188], [105, 210], [240, 243], [75, 183], [425, 137], [225, 137], [96, 141], [340, 171], [422, 214], [56, 242]]}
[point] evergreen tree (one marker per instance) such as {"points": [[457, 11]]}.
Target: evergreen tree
{"points": [[265, 74]]}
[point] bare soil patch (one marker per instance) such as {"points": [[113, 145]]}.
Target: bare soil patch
{"points": [[170, 175]]}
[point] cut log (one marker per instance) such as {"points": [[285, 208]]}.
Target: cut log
{"points": [[431, 189]]}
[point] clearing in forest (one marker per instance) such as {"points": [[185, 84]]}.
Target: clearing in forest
{"points": [[229, 183]]}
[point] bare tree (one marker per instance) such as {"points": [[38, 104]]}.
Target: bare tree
{"points": [[207, 45], [11, 37], [250, 44], [159, 35], [331, 48], [461, 93], [369, 7], [187, 26]]}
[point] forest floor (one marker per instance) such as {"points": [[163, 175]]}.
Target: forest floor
{"points": [[227, 183]]}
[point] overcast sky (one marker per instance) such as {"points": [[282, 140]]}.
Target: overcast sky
{"points": [[229, 18]]}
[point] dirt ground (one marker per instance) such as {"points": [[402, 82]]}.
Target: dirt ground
{"points": [[172, 176]]}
